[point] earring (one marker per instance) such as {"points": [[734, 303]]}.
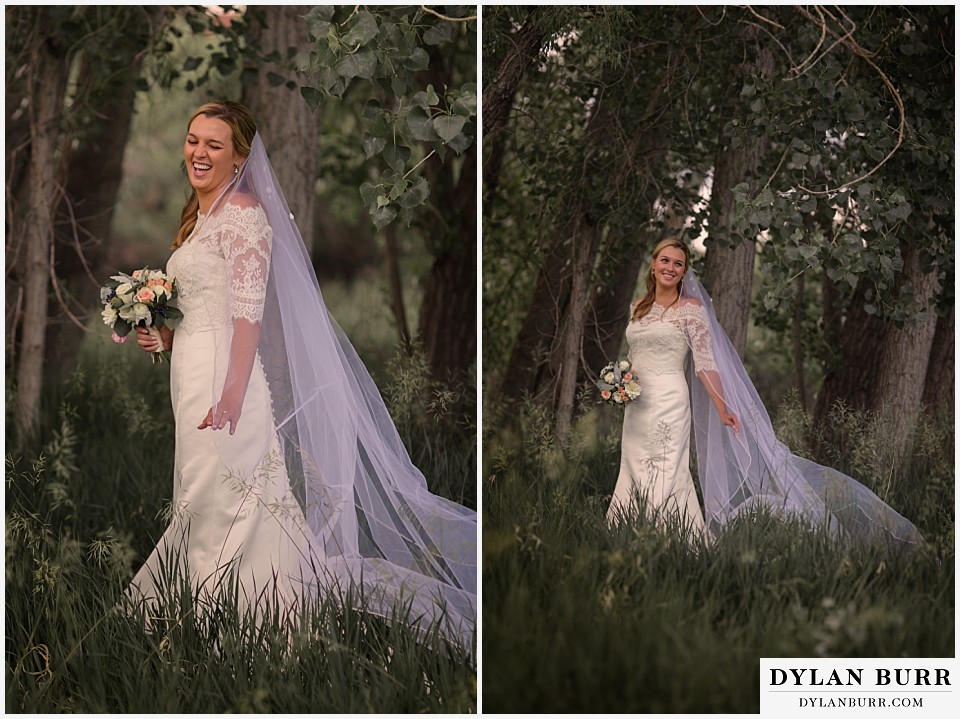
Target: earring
{"points": [[236, 169]]}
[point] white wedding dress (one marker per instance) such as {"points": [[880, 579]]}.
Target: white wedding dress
{"points": [[234, 516], [315, 494], [655, 447]]}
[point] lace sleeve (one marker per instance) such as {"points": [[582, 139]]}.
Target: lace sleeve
{"points": [[246, 243], [697, 329]]}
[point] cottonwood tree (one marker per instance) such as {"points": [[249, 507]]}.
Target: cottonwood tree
{"points": [[839, 142], [415, 68]]}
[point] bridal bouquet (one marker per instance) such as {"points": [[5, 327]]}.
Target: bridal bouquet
{"points": [[617, 383], [140, 299]]}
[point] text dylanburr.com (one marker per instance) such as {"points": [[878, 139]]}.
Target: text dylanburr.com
{"points": [[805, 687]]}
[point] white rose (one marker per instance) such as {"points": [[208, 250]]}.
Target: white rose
{"points": [[125, 292], [109, 316], [159, 291], [609, 377], [135, 312], [624, 365], [617, 398]]}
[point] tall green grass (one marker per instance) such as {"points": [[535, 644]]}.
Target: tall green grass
{"points": [[580, 617], [85, 507]]}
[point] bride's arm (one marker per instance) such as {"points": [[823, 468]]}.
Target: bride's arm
{"points": [[247, 250], [698, 335], [713, 385]]}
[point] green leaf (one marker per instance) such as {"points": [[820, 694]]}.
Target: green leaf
{"points": [[363, 30], [302, 62], [369, 192], [420, 127], [461, 142], [420, 100], [328, 79], [318, 20], [449, 126], [383, 216], [373, 145], [432, 97], [466, 104], [313, 97], [398, 190], [361, 64], [416, 195], [439, 33], [417, 60], [371, 110], [396, 156], [382, 201], [900, 212]]}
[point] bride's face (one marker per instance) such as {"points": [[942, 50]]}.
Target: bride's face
{"points": [[209, 155], [669, 266]]}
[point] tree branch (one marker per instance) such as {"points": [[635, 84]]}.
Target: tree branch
{"points": [[444, 17]]}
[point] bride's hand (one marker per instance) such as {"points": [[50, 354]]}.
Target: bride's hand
{"points": [[228, 411], [730, 419], [148, 342]]}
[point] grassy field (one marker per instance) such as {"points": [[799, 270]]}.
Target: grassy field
{"points": [[84, 510], [581, 618]]}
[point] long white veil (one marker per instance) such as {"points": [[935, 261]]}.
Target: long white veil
{"points": [[742, 471], [373, 524]]}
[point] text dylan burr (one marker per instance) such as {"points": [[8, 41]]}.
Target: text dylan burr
{"points": [[854, 677]]}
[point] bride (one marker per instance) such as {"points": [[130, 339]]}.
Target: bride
{"points": [[740, 463], [289, 476]]}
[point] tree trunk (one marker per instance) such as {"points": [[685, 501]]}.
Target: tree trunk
{"points": [[85, 216], [48, 76], [447, 328], [540, 327], [939, 382], [498, 95], [730, 261], [396, 288], [852, 375], [730, 257], [798, 370], [289, 128], [905, 356], [586, 239], [609, 310]]}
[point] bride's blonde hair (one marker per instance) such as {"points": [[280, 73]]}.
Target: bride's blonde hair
{"points": [[644, 305], [242, 128]]}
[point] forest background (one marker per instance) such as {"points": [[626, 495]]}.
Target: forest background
{"points": [[807, 154], [369, 117]]}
